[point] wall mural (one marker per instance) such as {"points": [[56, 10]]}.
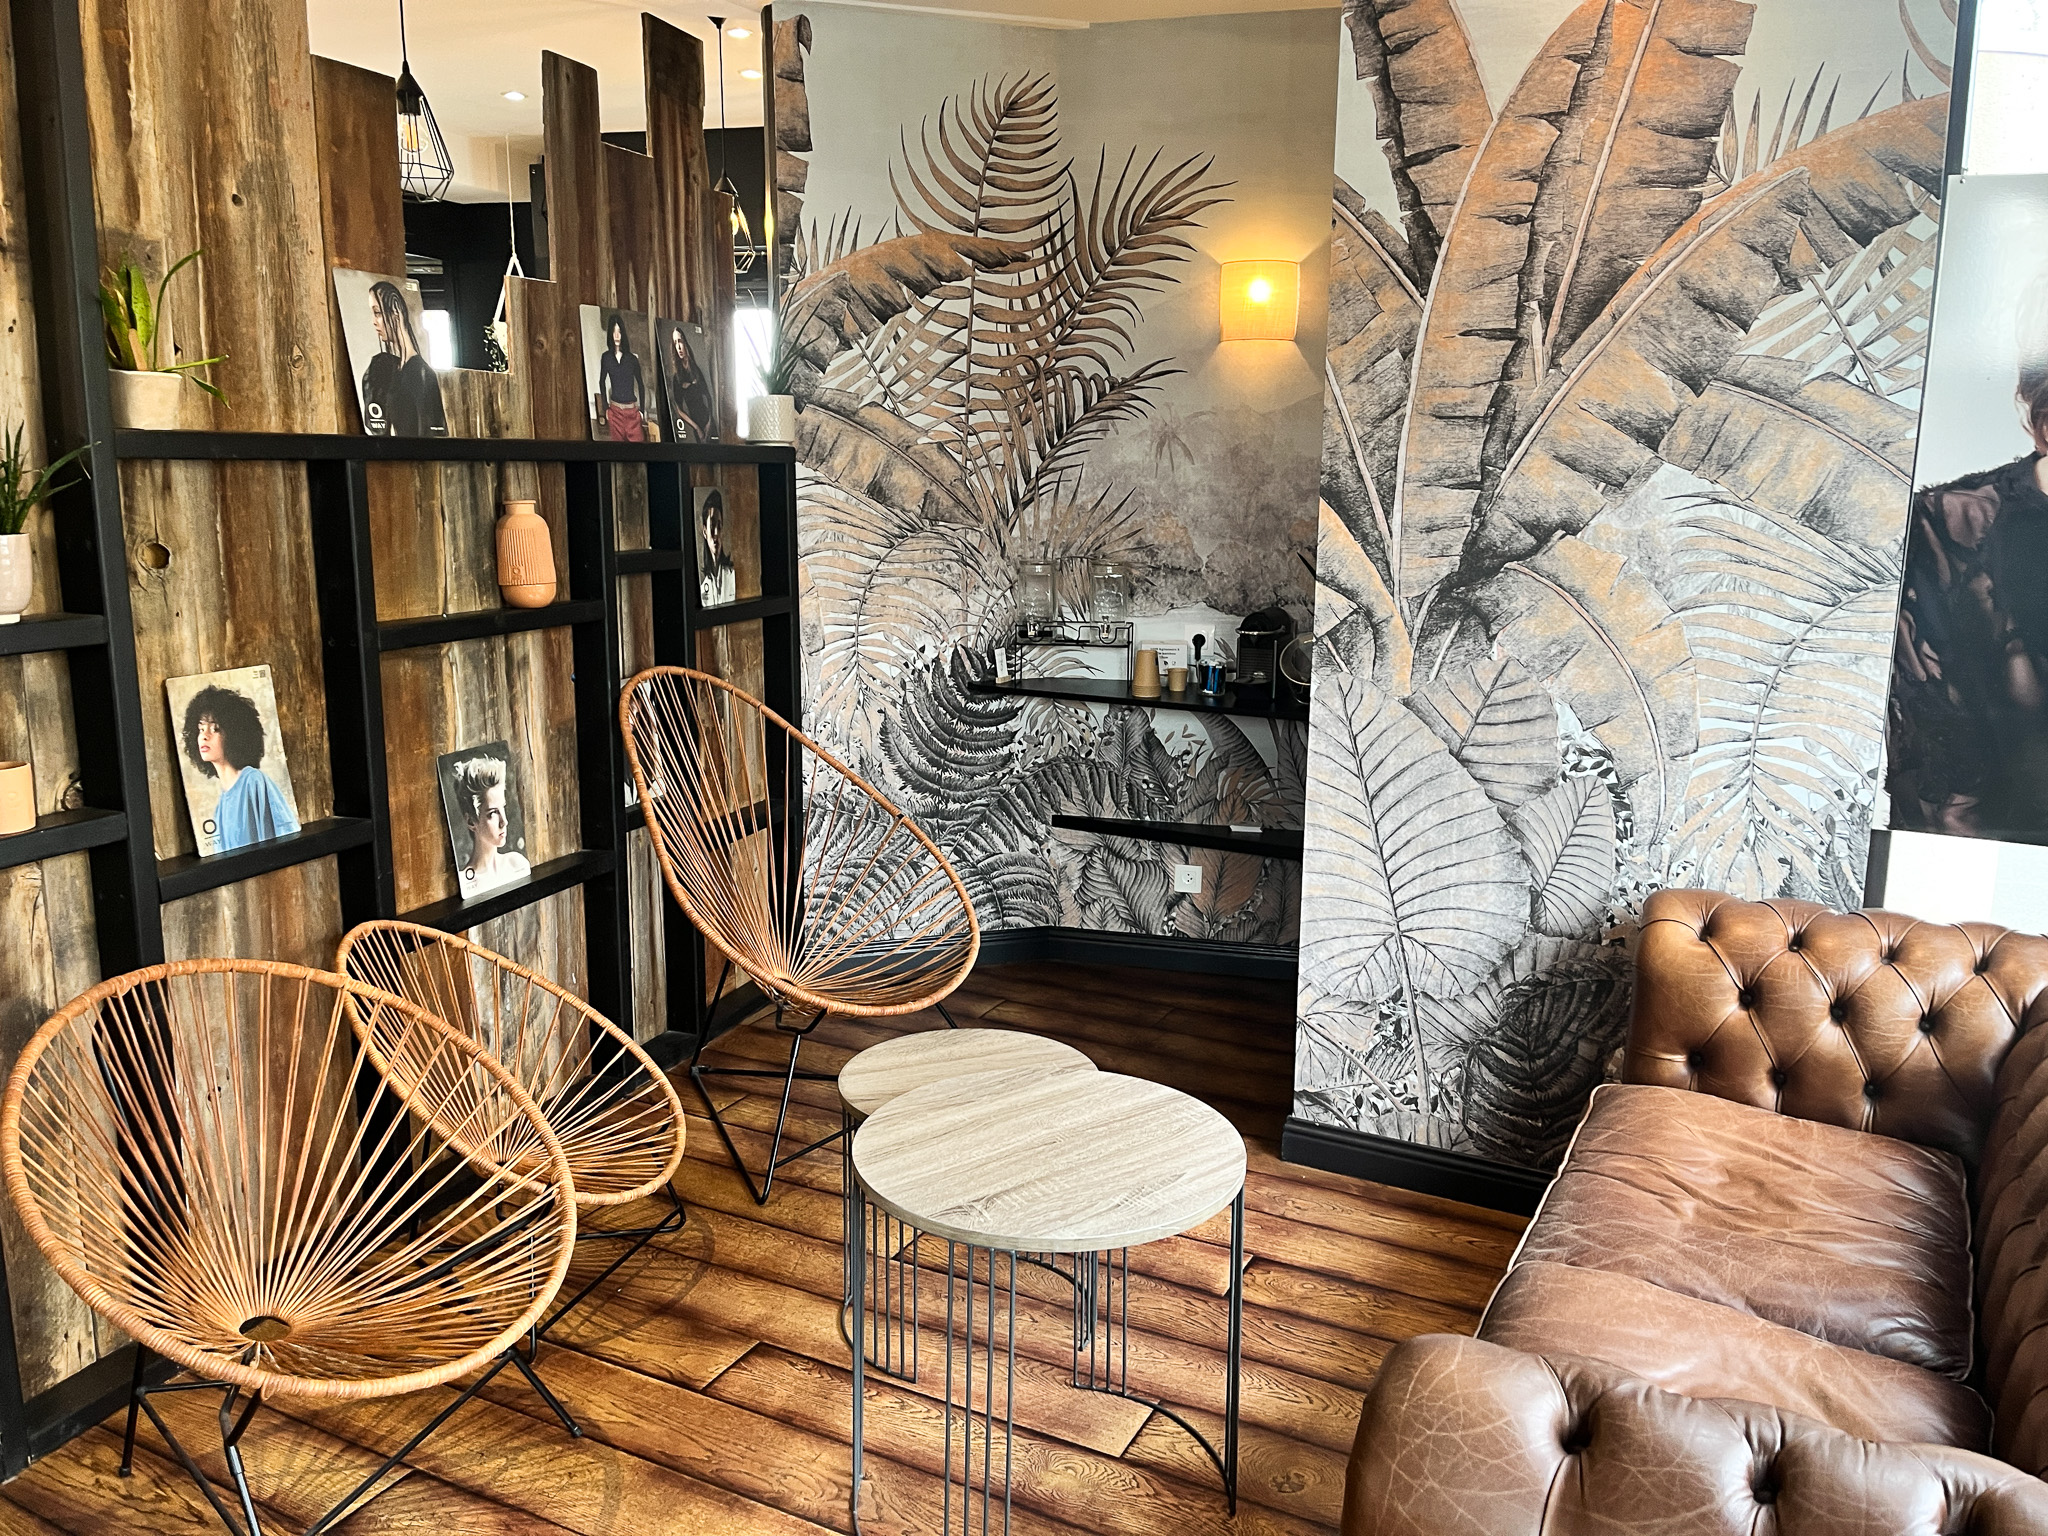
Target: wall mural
{"points": [[1623, 393], [967, 375]]}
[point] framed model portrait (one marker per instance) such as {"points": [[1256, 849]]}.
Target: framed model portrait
{"points": [[396, 386], [688, 385], [619, 376], [486, 825], [1967, 726], [717, 579], [238, 787]]}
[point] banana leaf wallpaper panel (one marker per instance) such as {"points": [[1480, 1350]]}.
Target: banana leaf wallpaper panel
{"points": [[1002, 248], [1629, 311]]}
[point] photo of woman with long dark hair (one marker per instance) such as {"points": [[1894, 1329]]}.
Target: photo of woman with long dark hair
{"points": [[686, 382], [401, 393], [622, 387], [224, 737]]}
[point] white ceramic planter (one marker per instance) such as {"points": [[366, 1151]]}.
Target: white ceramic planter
{"points": [[17, 576], [147, 401], [771, 419]]}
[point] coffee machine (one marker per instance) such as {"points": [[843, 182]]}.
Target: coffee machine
{"points": [[1260, 639]]}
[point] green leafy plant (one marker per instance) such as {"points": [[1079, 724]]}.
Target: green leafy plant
{"points": [[135, 323], [22, 491]]}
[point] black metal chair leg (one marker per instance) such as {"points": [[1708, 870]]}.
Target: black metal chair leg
{"points": [[554, 1403], [134, 1411], [790, 1078], [945, 1013]]}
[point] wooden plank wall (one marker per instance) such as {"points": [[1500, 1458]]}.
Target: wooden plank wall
{"points": [[213, 128], [47, 949]]}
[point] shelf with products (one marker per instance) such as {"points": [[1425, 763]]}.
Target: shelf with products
{"points": [[1267, 842], [1097, 690]]}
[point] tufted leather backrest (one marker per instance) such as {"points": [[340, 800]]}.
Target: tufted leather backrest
{"points": [[2012, 1256], [1872, 1020], [1464, 1438]]}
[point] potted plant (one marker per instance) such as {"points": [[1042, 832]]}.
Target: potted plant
{"points": [[145, 386], [20, 494], [771, 415]]}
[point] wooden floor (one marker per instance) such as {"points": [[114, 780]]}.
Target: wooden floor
{"points": [[712, 1381]]}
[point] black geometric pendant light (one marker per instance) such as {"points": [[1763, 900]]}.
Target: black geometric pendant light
{"points": [[742, 232], [425, 168]]}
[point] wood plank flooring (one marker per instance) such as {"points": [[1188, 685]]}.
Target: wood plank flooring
{"points": [[712, 1382]]}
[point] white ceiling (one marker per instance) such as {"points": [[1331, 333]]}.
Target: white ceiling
{"points": [[467, 53]]}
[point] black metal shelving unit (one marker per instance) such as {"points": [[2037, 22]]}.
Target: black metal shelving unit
{"points": [[130, 885]]}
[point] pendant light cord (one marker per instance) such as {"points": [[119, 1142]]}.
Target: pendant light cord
{"points": [[404, 58], [718, 22]]}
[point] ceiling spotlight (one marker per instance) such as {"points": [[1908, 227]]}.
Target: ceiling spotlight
{"points": [[515, 95], [738, 32], [750, 74]]}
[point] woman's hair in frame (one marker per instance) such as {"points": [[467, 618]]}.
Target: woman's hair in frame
{"points": [[242, 735], [396, 315], [476, 777]]}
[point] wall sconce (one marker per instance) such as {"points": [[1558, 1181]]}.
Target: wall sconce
{"points": [[1261, 300]]}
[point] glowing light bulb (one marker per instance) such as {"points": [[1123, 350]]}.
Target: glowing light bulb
{"points": [[1260, 291]]}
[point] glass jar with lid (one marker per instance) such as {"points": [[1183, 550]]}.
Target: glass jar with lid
{"points": [[1035, 593], [1109, 591]]}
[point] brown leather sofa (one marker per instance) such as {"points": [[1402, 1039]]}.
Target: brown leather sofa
{"points": [[1747, 1302]]}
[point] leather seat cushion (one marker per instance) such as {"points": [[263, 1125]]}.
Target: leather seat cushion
{"points": [[1857, 1239], [1704, 1350]]}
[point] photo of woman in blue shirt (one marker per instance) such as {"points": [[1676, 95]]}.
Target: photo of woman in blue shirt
{"points": [[224, 735]]}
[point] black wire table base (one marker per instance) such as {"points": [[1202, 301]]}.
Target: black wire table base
{"points": [[981, 1349]]}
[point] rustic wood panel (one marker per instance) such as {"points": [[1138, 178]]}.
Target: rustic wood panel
{"points": [[632, 208], [547, 357], [50, 954], [674, 67], [203, 138], [579, 233]]}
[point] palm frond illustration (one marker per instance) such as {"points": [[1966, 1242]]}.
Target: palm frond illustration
{"points": [[1617, 461], [957, 373]]}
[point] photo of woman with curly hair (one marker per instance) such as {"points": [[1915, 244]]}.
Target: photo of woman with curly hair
{"points": [[231, 753], [484, 824]]}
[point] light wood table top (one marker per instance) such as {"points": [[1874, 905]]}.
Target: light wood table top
{"points": [[885, 1072], [1049, 1162]]}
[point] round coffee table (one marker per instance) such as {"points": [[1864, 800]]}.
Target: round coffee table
{"points": [[878, 1076], [1071, 1169]]}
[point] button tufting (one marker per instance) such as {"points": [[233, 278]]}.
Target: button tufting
{"points": [[1764, 1493], [1838, 1011], [1745, 998], [1927, 1024], [1695, 1060], [1870, 1091], [1794, 943], [1779, 1077]]}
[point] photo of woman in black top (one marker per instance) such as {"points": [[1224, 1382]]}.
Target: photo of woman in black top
{"points": [[686, 382], [621, 387], [401, 394]]}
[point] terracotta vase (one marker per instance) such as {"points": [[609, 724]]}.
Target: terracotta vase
{"points": [[526, 557], [17, 799], [148, 401], [17, 577], [771, 419]]}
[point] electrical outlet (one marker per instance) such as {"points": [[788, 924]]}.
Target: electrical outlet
{"points": [[1187, 879]]}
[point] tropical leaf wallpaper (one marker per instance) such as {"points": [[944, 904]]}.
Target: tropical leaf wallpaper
{"points": [[982, 380], [1623, 384]]}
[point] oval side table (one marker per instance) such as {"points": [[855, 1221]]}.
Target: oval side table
{"points": [[878, 1076], [1079, 1167]]}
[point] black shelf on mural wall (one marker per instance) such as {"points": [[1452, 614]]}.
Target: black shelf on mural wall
{"points": [[1270, 842], [130, 886], [1094, 690]]}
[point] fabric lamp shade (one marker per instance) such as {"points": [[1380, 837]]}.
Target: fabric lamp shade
{"points": [[1261, 300]]}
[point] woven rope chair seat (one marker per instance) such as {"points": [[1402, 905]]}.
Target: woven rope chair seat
{"points": [[614, 1111], [206, 1155], [845, 907]]}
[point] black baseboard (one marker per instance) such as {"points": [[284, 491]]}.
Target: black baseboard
{"points": [[1083, 946], [85, 1398], [1406, 1165]]}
